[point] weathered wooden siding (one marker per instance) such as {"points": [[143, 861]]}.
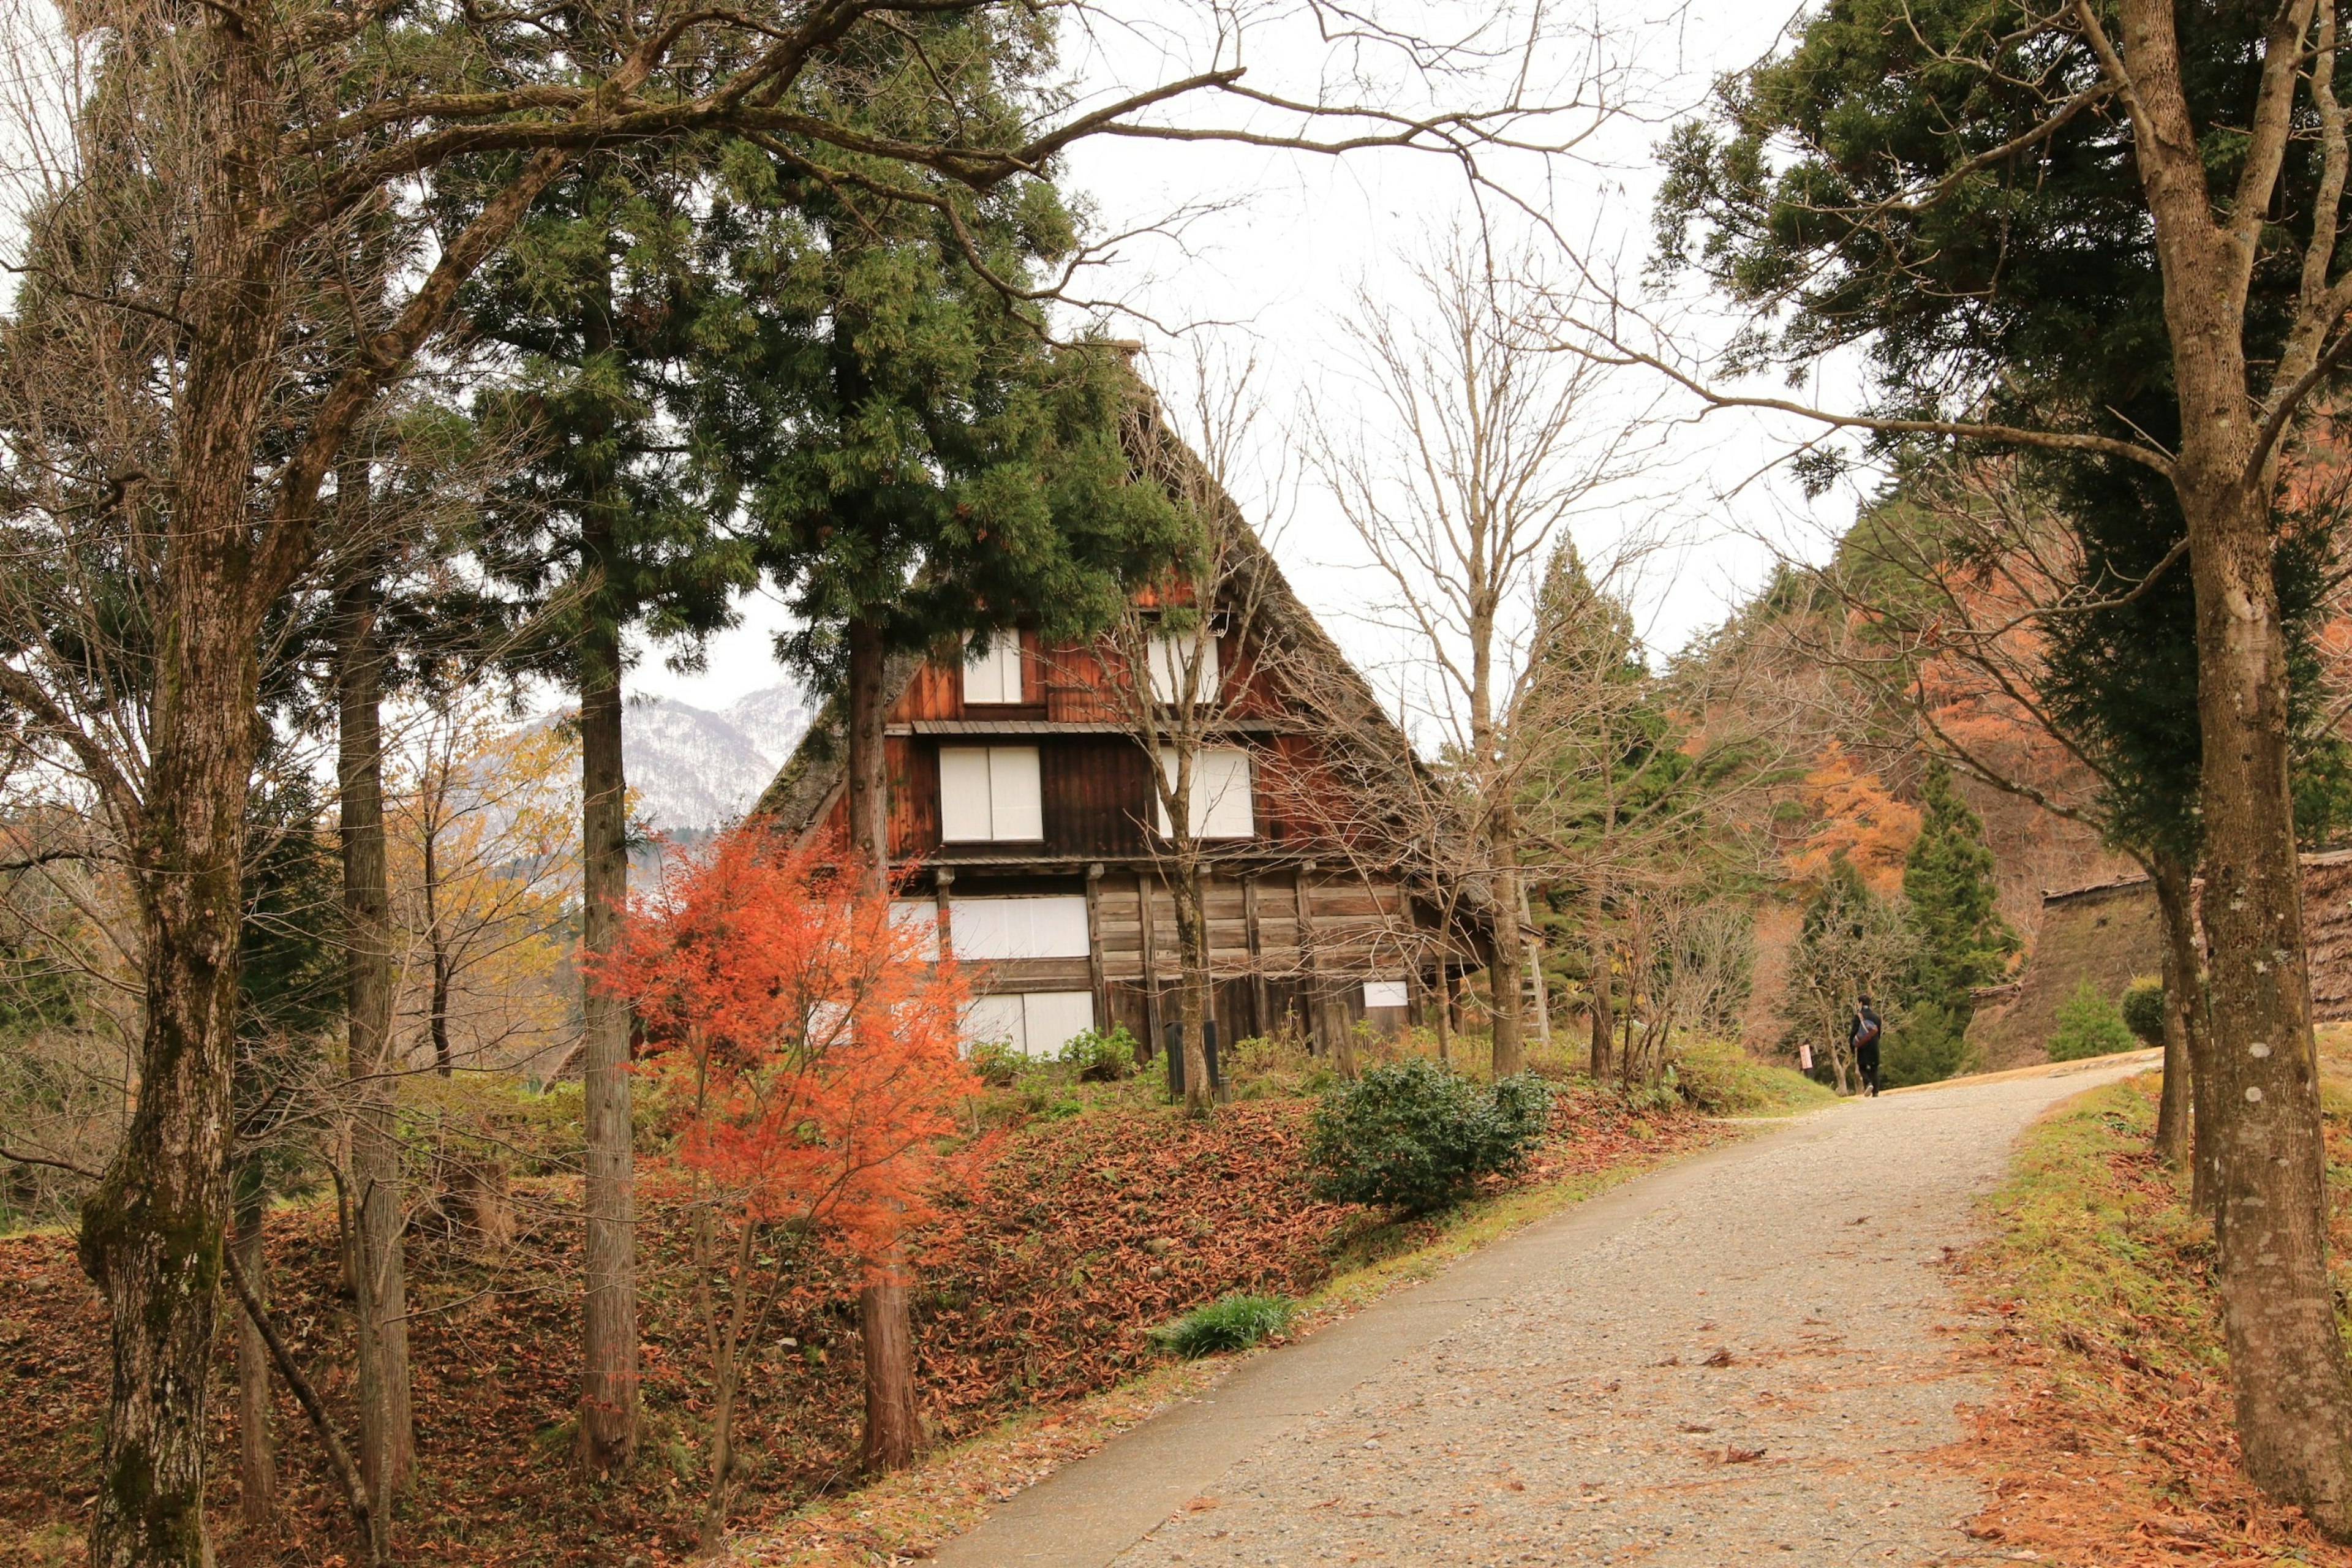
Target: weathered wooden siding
{"points": [[1097, 791], [1077, 689], [1360, 933], [936, 692]]}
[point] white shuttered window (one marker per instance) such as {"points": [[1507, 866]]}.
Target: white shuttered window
{"points": [[989, 793], [990, 929], [1221, 792], [1036, 1023], [994, 676], [1170, 655]]}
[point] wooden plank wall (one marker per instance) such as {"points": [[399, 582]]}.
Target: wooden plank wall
{"points": [[1361, 932]]}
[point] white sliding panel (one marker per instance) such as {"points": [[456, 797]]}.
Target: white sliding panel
{"points": [[1221, 793], [921, 918], [994, 676], [990, 929], [1054, 1016], [1170, 655], [996, 1018], [1016, 795], [964, 815]]}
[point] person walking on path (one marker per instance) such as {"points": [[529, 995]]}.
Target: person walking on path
{"points": [[1864, 1037]]}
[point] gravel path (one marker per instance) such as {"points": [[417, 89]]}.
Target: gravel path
{"points": [[1731, 1361]]}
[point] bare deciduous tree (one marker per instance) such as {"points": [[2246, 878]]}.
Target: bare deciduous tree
{"points": [[1486, 447], [1182, 657]]}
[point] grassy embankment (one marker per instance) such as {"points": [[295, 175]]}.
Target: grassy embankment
{"points": [[2111, 1444]]}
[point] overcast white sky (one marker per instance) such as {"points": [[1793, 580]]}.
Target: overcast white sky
{"points": [[1270, 271]]}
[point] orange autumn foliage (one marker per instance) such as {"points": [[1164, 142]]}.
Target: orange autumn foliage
{"points": [[808, 1045], [1854, 815]]}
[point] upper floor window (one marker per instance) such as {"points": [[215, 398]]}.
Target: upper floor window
{"points": [[995, 928], [1172, 655], [990, 792], [994, 676], [1221, 793]]}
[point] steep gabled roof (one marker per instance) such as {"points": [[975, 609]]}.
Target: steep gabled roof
{"points": [[805, 786]]}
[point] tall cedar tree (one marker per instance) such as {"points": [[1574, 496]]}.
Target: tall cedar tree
{"points": [[1605, 785], [2120, 675], [1949, 882], [2041, 222], [291, 995], [810, 1060], [596, 305], [920, 464]]}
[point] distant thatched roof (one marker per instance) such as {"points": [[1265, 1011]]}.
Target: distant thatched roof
{"points": [[2109, 935]]}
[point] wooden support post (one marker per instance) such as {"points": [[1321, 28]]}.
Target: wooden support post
{"points": [[1535, 965], [1259, 1007], [1317, 1026], [1416, 990], [1150, 961], [1094, 948], [942, 880]]}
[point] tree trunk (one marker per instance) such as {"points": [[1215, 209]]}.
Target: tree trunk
{"points": [[1442, 1014], [373, 1250], [2293, 1404], [437, 942], [257, 1458], [1509, 972], [1192, 983], [1604, 1015], [869, 779], [893, 1432], [2186, 1081], [153, 1230], [608, 1394], [2286, 1358]]}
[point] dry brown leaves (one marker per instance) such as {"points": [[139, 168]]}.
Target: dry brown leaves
{"points": [[2111, 1443], [1036, 1292]]}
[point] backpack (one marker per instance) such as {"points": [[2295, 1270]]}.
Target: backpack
{"points": [[1869, 1035]]}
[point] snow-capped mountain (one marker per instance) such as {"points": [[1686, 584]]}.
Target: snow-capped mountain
{"points": [[692, 768]]}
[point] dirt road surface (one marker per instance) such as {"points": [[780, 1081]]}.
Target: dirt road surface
{"points": [[1738, 1360]]}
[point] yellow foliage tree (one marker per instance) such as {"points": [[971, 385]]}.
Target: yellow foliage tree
{"points": [[1851, 812]]}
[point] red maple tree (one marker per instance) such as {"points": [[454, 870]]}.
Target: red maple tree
{"points": [[807, 1046]]}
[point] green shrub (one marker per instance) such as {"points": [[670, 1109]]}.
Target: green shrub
{"points": [[1266, 1067], [1718, 1077], [1101, 1058], [2088, 1026], [1415, 1136], [1232, 1322], [2142, 1010], [1927, 1045], [997, 1063]]}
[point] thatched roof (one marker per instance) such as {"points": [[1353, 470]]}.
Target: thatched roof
{"points": [[2111, 935], [1346, 714], [2107, 934]]}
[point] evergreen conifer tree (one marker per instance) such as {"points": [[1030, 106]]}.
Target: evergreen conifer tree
{"points": [[1963, 942]]}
